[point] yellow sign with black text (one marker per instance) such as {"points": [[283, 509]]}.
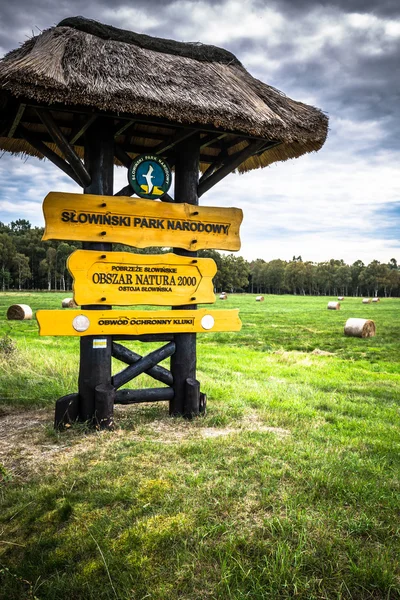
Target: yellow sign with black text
{"points": [[126, 322], [123, 278], [140, 223]]}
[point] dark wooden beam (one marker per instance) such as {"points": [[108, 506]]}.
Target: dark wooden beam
{"points": [[79, 131], [142, 365], [95, 363], [230, 165], [130, 358], [122, 156], [171, 142], [125, 191], [142, 119], [211, 138], [61, 141], [16, 121], [214, 165], [48, 153], [121, 128], [183, 361], [152, 135], [145, 395]]}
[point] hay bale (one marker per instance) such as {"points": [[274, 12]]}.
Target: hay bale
{"points": [[340, 298], [362, 328], [366, 301], [68, 303], [259, 298], [376, 299], [333, 305], [19, 312]]}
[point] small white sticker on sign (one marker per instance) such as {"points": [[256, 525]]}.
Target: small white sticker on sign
{"points": [[99, 343]]}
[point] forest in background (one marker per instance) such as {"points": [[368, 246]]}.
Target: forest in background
{"points": [[26, 262]]}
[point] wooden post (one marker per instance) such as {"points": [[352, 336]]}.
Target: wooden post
{"points": [[183, 361], [95, 358]]}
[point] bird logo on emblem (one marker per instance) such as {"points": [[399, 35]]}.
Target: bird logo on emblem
{"points": [[148, 177]]}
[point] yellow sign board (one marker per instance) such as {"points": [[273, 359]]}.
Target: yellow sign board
{"points": [[140, 223], [126, 322], [123, 278]]}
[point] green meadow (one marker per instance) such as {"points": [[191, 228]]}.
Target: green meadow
{"points": [[287, 488]]}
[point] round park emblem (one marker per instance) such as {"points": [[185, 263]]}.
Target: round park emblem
{"points": [[149, 176]]}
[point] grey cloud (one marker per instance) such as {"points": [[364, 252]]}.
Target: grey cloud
{"points": [[386, 8]]}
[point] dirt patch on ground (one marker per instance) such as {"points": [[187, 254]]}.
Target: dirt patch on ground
{"points": [[28, 444]]}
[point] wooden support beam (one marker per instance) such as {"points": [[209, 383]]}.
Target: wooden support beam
{"points": [[48, 153], [192, 398], [67, 411], [211, 138], [79, 131], [144, 395], [171, 142], [183, 361], [125, 191], [16, 121], [104, 401], [230, 165], [61, 141], [121, 128], [155, 121], [130, 358], [122, 156], [95, 362], [144, 364], [216, 164]]}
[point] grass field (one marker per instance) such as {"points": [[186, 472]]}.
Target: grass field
{"points": [[288, 488]]}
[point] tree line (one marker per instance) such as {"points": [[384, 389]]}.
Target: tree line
{"points": [[26, 262]]}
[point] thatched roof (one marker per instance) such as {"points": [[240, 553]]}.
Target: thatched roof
{"points": [[84, 66]]}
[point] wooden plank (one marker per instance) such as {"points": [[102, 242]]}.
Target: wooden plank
{"points": [[61, 141], [123, 278], [140, 223], [127, 322]]}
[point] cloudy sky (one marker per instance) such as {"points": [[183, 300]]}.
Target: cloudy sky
{"points": [[342, 56]]}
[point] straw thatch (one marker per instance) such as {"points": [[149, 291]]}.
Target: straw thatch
{"points": [[83, 64]]}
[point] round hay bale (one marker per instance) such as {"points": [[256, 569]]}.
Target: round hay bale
{"points": [[333, 305], [366, 301], [68, 303], [259, 298], [376, 299], [340, 298], [223, 297], [19, 312], [362, 328]]}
